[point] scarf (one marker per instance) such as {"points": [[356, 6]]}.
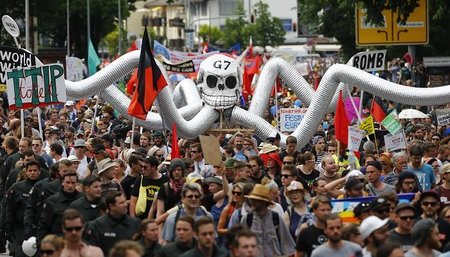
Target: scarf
{"points": [[176, 185]]}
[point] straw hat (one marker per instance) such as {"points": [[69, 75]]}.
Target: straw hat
{"points": [[295, 185], [260, 192], [104, 165], [268, 148]]}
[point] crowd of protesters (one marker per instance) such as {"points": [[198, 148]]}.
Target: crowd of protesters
{"points": [[94, 185]]}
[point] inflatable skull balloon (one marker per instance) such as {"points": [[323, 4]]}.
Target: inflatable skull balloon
{"points": [[219, 81]]}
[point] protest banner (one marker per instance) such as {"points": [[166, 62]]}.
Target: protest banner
{"points": [[395, 142], [74, 68], [35, 86], [355, 137], [367, 125], [290, 118], [391, 123], [181, 67], [443, 117], [344, 207], [11, 58]]}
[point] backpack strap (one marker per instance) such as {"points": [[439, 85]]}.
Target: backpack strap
{"points": [[249, 220], [176, 218]]}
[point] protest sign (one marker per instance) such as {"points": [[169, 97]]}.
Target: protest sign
{"points": [[395, 142], [35, 86], [290, 118], [74, 68], [369, 60], [11, 58], [211, 150], [355, 137], [367, 125], [443, 116], [391, 123], [181, 67]]}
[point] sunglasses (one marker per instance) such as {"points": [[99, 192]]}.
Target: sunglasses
{"points": [[407, 217], [381, 211], [435, 139], [71, 229], [193, 196], [237, 193], [35, 145], [285, 175], [47, 252], [193, 151], [432, 204]]}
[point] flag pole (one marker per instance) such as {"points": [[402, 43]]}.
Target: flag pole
{"points": [[95, 115], [39, 122], [132, 133]]}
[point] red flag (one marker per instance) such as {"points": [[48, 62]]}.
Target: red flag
{"points": [[408, 58], [150, 82], [251, 68], [131, 84], [341, 122], [377, 109], [175, 151]]}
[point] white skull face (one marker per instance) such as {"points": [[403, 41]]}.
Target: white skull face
{"points": [[219, 81]]}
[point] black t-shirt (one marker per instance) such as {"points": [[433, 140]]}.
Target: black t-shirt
{"points": [[208, 201], [405, 241], [110, 187], [169, 196], [309, 178], [152, 187], [127, 184], [309, 239]]}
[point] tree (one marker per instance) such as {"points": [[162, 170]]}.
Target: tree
{"points": [[236, 30], [51, 19], [267, 30], [210, 33]]}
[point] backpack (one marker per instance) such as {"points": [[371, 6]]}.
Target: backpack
{"points": [[180, 206], [275, 221]]}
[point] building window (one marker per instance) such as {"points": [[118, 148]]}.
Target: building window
{"points": [[228, 7]]}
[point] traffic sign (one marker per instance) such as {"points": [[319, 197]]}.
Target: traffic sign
{"points": [[414, 32]]}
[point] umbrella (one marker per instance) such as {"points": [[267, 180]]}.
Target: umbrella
{"points": [[411, 114]]}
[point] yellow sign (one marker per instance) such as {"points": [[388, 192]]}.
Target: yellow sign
{"points": [[413, 32], [367, 126], [2, 88]]}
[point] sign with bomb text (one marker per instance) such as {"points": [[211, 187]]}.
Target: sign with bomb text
{"points": [[35, 86]]}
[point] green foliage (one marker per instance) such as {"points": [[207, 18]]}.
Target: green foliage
{"points": [[51, 20], [375, 8], [236, 30], [267, 30], [210, 33]]}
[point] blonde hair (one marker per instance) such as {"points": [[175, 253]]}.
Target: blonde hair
{"points": [[56, 241]]}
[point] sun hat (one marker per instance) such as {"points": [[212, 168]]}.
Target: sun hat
{"points": [[260, 192], [194, 177], [104, 165], [295, 185], [80, 143], [370, 224], [215, 179], [73, 158], [268, 148]]}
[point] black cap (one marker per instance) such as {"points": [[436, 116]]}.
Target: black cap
{"points": [[404, 206], [353, 183], [375, 164], [361, 207], [379, 202], [429, 193]]}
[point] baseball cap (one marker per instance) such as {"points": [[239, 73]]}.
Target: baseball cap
{"points": [[353, 183], [70, 103], [429, 193], [216, 180], [404, 206], [378, 203], [370, 224]]}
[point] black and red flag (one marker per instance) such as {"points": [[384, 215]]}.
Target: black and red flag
{"points": [[377, 109], [150, 82]]}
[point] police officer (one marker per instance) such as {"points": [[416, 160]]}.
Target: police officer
{"points": [[88, 205], [55, 205], [115, 226], [15, 206]]}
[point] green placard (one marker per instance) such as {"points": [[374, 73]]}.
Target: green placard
{"points": [[391, 123]]}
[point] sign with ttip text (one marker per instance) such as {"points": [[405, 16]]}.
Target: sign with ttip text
{"points": [[369, 61], [415, 31], [35, 86], [290, 118]]}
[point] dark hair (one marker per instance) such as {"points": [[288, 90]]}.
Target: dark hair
{"points": [[72, 214], [11, 142], [291, 139], [302, 158], [245, 232], [198, 146], [291, 168], [31, 163], [89, 180], [57, 147], [152, 160], [203, 221], [416, 150], [111, 198], [27, 152], [120, 248], [142, 228], [349, 230], [257, 159], [70, 174], [187, 219], [387, 249], [133, 160]]}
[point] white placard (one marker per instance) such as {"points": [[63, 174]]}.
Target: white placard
{"points": [[369, 61], [443, 116], [10, 25], [395, 142], [74, 68], [290, 118], [355, 137]]}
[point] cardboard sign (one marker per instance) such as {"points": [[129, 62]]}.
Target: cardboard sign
{"points": [[443, 116], [369, 61], [391, 123], [355, 137], [367, 126], [11, 58], [74, 68], [211, 150], [290, 118], [395, 142], [36, 86]]}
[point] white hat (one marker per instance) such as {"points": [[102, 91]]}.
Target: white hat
{"points": [[370, 224], [70, 103], [104, 165], [73, 158], [29, 246]]}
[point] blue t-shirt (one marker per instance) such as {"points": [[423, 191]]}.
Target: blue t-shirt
{"points": [[425, 175]]}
